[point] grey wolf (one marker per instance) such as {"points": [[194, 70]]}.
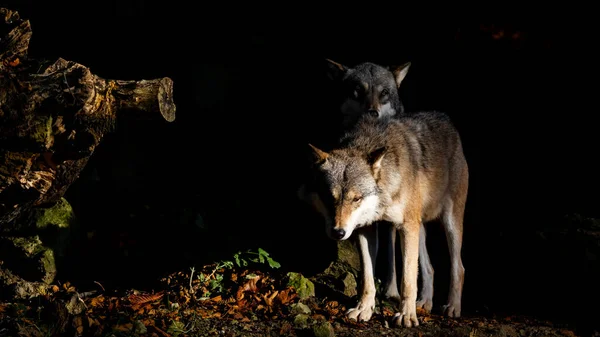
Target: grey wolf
{"points": [[372, 89], [368, 88], [407, 171]]}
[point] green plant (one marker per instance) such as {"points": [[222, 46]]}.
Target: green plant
{"points": [[261, 256]]}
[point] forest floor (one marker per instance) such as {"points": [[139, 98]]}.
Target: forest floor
{"points": [[230, 299]]}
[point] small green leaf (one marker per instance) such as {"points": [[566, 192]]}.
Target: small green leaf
{"points": [[262, 252], [273, 263]]}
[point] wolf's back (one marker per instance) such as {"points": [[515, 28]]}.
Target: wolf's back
{"points": [[425, 136]]}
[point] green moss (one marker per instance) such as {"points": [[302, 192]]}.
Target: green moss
{"points": [[30, 246], [301, 320], [41, 131], [59, 215], [304, 287], [300, 308], [29, 258], [48, 264], [323, 329]]}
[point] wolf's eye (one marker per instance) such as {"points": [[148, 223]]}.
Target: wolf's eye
{"points": [[357, 91], [384, 93], [357, 199]]}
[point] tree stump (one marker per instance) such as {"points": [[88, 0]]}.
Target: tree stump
{"points": [[53, 115]]}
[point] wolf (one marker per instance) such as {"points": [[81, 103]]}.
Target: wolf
{"points": [[372, 89], [407, 171], [367, 88]]}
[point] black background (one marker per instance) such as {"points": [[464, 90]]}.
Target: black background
{"points": [[251, 92]]}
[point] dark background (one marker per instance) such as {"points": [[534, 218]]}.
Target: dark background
{"points": [[251, 92]]}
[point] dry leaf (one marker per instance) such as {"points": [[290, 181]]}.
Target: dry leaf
{"points": [[14, 62], [138, 300], [286, 328], [269, 298], [248, 286], [286, 296], [78, 323], [318, 317], [97, 301]]}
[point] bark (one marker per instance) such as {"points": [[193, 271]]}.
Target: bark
{"points": [[54, 114]]}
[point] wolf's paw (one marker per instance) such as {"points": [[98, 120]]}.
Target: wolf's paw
{"points": [[362, 312], [406, 318], [425, 304], [452, 310]]}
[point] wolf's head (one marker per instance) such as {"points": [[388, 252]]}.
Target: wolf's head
{"points": [[346, 191], [368, 89]]}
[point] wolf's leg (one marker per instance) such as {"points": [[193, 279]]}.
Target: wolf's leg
{"points": [[367, 248], [391, 283], [453, 226], [426, 298], [409, 236]]}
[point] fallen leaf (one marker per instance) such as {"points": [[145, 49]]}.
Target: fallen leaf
{"points": [[318, 317], [286, 328], [78, 323], [286, 296], [269, 298], [248, 286], [97, 301], [568, 333], [138, 300], [15, 62]]}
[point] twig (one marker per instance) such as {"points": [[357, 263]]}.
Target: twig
{"points": [[81, 300], [191, 278], [98, 283], [87, 293]]}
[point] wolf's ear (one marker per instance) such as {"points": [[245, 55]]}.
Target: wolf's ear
{"points": [[335, 70], [318, 156], [400, 72], [375, 158]]}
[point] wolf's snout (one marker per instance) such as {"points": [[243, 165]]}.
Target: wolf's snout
{"points": [[339, 233], [373, 112]]}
